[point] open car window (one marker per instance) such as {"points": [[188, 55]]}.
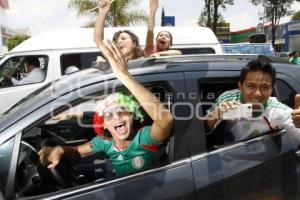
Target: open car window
{"points": [[15, 67], [32, 178], [227, 131]]}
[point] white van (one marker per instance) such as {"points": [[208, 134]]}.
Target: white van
{"points": [[59, 49]]}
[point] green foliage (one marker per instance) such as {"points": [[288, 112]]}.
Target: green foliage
{"points": [[15, 40], [204, 21], [296, 15], [121, 12], [210, 15]]}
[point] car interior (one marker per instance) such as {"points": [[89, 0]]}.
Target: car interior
{"points": [[15, 67], [32, 178], [79, 60]]}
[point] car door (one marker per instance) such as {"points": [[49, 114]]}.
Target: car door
{"points": [[158, 183], [258, 168], [170, 180]]}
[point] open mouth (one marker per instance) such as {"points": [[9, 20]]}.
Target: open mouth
{"points": [[121, 128], [162, 42]]}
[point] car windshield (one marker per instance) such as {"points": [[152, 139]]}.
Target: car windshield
{"points": [[39, 93], [262, 49]]}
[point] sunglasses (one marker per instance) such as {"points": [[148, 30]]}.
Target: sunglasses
{"points": [[109, 113]]}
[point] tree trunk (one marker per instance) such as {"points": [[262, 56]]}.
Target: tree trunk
{"points": [[215, 20], [273, 25], [208, 7]]}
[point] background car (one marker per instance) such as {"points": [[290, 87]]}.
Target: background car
{"points": [[59, 49], [192, 164], [249, 48]]}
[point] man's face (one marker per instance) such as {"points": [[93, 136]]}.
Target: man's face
{"points": [[118, 121], [29, 67], [256, 88]]}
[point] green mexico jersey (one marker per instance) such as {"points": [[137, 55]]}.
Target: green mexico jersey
{"points": [[141, 152]]}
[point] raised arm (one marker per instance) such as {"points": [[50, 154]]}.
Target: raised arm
{"points": [[150, 25], [162, 118], [103, 7]]}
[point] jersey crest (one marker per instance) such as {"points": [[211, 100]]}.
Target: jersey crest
{"points": [[138, 162]]}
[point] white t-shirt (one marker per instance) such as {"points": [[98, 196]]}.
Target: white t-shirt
{"points": [[35, 76], [274, 115]]}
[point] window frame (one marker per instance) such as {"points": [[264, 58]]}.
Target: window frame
{"points": [[215, 80]]}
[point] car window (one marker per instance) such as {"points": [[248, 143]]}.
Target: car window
{"points": [[210, 90], [197, 50], [5, 159], [285, 93], [66, 128], [15, 67], [79, 60]]}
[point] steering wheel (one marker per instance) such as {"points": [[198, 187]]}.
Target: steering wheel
{"points": [[17, 74], [6, 81], [29, 150]]}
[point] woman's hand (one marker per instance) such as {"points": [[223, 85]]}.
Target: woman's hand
{"points": [[104, 6], [153, 5]]}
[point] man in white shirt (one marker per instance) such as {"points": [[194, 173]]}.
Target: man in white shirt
{"points": [[35, 74]]}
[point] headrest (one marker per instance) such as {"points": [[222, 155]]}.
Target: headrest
{"points": [[70, 70]]}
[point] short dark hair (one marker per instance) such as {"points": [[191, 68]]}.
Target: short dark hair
{"points": [[32, 61], [138, 50], [258, 65]]}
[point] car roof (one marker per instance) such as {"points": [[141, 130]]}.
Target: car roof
{"points": [[244, 43], [89, 77]]}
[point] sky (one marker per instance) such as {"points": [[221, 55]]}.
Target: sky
{"points": [[44, 15]]}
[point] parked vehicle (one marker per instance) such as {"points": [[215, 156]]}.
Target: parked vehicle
{"points": [[192, 163], [249, 48], [60, 49]]}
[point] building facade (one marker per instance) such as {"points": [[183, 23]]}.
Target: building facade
{"points": [[243, 35], [292, 36], [3, 27], [5, 30]]}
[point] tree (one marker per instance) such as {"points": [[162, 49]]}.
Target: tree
{"points": [[296, 15], [15, 40], [163, 17], [216, 5], [274, 11], [205, 16], [210, 15], [121, 12]]}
